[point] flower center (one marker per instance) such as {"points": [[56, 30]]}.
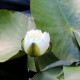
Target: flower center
{"points": [[35, 36]]}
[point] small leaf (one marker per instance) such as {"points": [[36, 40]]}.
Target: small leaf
{"points": [[61, 75]]}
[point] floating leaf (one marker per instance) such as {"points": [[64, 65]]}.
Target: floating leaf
{"points": [[50, 74], [13, 27], [59, 17]]}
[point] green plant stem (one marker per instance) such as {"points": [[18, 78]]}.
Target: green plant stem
{"points": [[36, 64]]}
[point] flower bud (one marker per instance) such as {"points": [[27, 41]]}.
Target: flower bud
{"points": [[36, 43]]}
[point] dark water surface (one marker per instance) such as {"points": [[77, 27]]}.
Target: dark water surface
{"points": [[14, 70]]}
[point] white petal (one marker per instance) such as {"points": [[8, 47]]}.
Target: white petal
{"points": [[46, 36], [43, 44], [26, 42], [34, 33]]}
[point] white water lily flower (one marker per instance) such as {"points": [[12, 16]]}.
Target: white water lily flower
{"points": [[36, 43]]}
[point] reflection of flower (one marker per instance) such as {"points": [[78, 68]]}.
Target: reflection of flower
{"points": [[36, 43]]}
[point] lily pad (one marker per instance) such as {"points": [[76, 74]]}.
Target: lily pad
{"points": [[50, 74], [59, 17], [13, 27]]}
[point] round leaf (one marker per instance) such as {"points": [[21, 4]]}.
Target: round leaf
{"points": [[58, 17], [13, 27]]}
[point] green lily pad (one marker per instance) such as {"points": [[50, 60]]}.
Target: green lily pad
{"points": [[71, 73], [50, 74], [13, 27], [59, 17]]}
